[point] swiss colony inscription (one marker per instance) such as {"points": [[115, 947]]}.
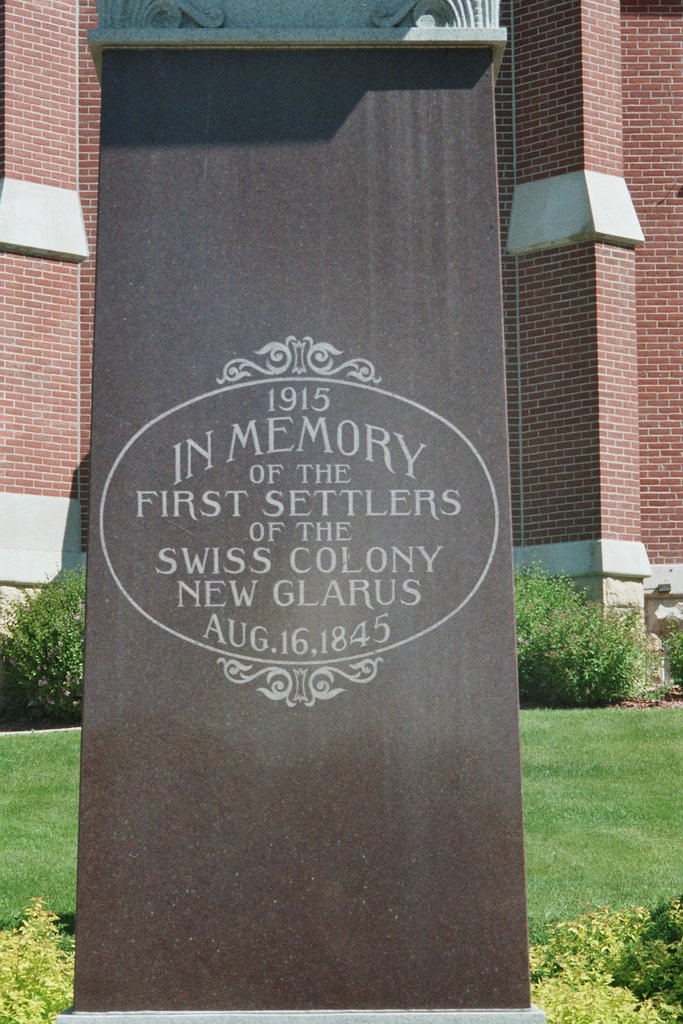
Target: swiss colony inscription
{"points": [[301, 521]]}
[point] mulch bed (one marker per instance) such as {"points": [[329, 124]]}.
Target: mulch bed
{"points": [[11, 721], [672, 699]]}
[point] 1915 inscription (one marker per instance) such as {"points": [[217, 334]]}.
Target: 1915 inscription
{"points": [[304, 519]]}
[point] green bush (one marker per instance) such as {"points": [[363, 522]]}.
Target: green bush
{"points": [[652, 964], [41, 647], [612, 967], [673, 646], [578, 1002], [590, 947], [572, 652], [36, 970]]}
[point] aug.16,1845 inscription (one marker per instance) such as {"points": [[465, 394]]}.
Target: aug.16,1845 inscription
{"points": [[312, 520]]}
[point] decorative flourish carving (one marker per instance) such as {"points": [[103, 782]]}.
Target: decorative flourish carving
{"points": [[300, 685], [160, 13], [438, 14], [298, 357], [169, 14]]}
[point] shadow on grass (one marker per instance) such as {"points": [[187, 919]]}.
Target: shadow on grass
{"points": [[67, 923]]}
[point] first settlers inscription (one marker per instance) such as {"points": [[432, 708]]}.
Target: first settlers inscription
{"points": [[301, 520]]}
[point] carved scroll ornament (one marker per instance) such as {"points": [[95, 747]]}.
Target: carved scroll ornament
{"points": [[173, 14], [160, 13], [438, 14]]}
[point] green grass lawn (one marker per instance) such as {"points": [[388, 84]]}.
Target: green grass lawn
{"points": [[38, 811], [603, 799]]}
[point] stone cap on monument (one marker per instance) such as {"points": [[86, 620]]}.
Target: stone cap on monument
{"points": [[147, 24]]}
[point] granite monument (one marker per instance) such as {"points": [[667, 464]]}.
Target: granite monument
{"points": [[300, 776]]}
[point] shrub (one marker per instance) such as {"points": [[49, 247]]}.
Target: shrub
{"points": [[572, 652], [36, 970], [589, 947], [673, 647], [652, 964], [42, 647], [612, 967], [577, 1002]]}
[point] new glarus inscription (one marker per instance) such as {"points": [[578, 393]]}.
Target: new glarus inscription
{"points": [[300, 521]]}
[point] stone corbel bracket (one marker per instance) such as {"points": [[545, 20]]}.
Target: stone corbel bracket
{"points": [[212, 24]]}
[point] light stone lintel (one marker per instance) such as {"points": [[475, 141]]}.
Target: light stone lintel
{"points": [[670, 575], [664, 608], [583, 206], [532, 1015], [39, 535], [41, 220], [578, 559]]}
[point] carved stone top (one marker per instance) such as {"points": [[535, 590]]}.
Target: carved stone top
{"points": [[233, 24], [438, 14], [297, 14], [160, 13]]}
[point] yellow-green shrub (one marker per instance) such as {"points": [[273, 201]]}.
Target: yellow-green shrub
{"points": [[36, 970], [589, 947], [652, 966], [566, 1002], [612, 967]]}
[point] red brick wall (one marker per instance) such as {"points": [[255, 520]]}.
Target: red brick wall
{"points": [[601, 85], [548, 86], [39, 368], [652, 40], [579, 396], [40, 88], [568, 86], [89, 117], [574, 307], [569, 312], [559, 396], [617, 353], [39, 328], [2, 89], [505, 144]]}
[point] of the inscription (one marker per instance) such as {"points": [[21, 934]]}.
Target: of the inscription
{"points": [[300, 521]]}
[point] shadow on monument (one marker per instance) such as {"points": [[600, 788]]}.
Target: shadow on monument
{"points": [[286, 103], [72, 545]]}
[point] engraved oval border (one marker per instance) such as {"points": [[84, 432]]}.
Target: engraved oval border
{"points": [[300, 379]]}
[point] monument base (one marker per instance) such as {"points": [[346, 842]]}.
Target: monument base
{"points": [[532, 1015]]}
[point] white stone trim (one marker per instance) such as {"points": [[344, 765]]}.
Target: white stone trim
{"points": [[671, 574], [528, 1016], [41, 220], [576, 207], [297, 38], [291, 24], [664, 609], [608, 558], [39, 535]]}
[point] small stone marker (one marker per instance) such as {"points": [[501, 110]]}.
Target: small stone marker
{"points": [[300, 781]]}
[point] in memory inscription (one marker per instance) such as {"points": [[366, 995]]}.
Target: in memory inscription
{"points": [[301, 521]]}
